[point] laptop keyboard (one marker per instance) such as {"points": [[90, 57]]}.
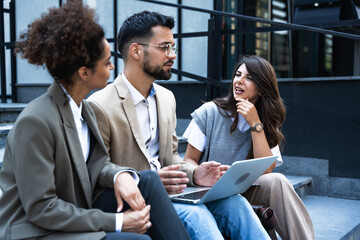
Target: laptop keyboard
{"points": [[194, 195]]}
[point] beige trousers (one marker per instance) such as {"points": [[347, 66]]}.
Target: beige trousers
{"points": [[275, 191]]}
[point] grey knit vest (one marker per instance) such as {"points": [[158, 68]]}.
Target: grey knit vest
{"points": [[221, 145]]}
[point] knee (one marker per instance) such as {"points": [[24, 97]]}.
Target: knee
{"points": [[231, 205], [273, 179], [280, 179], [149, 176], [196, 212], [145, 237], [150, 181], [199, 211]]}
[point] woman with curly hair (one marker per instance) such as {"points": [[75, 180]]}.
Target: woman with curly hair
{"points": [[56, 178], [247, 124]]}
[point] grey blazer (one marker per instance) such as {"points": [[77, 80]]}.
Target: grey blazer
{"points": [[117, 119], [48, 188]]}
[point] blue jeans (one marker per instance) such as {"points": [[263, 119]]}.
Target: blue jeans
{"points": [[236, 218], [232, 216], [198, 221]]}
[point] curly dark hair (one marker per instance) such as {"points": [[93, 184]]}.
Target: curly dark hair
{"points": [[269, 105], [138, 27], [63, 40]]}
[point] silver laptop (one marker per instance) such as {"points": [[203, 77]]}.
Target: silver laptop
{"points": [[237, 179]]}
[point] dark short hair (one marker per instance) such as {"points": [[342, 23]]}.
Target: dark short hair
{"points": [[63, 39], [139, 26]]}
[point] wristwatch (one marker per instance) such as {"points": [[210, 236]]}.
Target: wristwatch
{"points": [[257, 127]]}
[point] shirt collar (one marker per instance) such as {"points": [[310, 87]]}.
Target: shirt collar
{"points": [[75, 109], [135, 94]]}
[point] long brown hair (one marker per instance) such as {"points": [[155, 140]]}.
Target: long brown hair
{"points": [[269, 105]]}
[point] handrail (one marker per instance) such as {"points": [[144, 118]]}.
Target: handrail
{"points": [[211, 79], [290, 26]]}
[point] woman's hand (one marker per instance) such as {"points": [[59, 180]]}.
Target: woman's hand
{"points": [[137, 221], [248, 111]]}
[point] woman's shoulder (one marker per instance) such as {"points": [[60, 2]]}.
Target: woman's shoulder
{"points": [[41, 109], [208, 107], [208, 111]]}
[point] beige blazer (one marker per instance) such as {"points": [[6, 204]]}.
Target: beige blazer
{"points": [[119, 126], [47, 186]]}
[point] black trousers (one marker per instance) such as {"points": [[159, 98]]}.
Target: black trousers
{"points": [[165, 221]]}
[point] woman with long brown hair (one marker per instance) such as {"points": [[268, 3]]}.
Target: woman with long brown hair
{"points": [[247, 124]]}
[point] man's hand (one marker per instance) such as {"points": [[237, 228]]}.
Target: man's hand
{"points": [[174, 181], [137, 221], [207, 173], [126, 189]]}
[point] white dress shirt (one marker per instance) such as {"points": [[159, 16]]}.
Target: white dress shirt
{"points": [[198, 139], [146, 111], [84, 137]]}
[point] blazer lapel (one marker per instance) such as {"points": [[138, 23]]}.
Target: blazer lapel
{"points": [[72, 139], [130, 111], [90, 119], [162, 124]]}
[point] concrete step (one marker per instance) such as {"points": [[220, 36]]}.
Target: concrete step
{"points": [[181, 126], [182, 144], [301, 184], [4, 131], [323, 184], [2, 151], [10, 111], [334, 218]]}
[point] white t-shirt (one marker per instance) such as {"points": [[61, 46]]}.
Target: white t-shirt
{"points": [[198, 139]]}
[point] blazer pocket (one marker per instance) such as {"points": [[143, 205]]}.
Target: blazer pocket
{"points": [[27, 231]]}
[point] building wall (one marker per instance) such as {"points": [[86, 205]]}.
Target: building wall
{"points": [[194, 55]]}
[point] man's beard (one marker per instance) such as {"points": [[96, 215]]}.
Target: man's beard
{"points": [[156, 72]]}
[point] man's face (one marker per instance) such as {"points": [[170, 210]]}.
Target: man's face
{"points": [[157, 63]]}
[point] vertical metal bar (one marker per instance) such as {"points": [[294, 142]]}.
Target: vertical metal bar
{"points": [[116, 69], [269, 34], [290, 42], [60, 2], [239, 27], [218, 60], [13, 57], [211, 55], [2, 53], [179, 45]]}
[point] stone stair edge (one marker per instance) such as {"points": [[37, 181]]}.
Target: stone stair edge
{"points": [[334, 218], [12, 107]]}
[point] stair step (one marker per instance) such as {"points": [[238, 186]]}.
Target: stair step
{"points": [[2, 151], [334, 218], [4, 131], [182, 144], [10, 111], [301, 184]]}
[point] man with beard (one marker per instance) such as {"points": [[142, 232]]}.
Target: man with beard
{"points": [[137, 120]]}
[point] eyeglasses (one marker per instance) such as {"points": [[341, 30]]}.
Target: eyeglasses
{"points": [[167, 48]]}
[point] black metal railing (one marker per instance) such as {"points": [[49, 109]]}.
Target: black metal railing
{"points": [[214, 34]]}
